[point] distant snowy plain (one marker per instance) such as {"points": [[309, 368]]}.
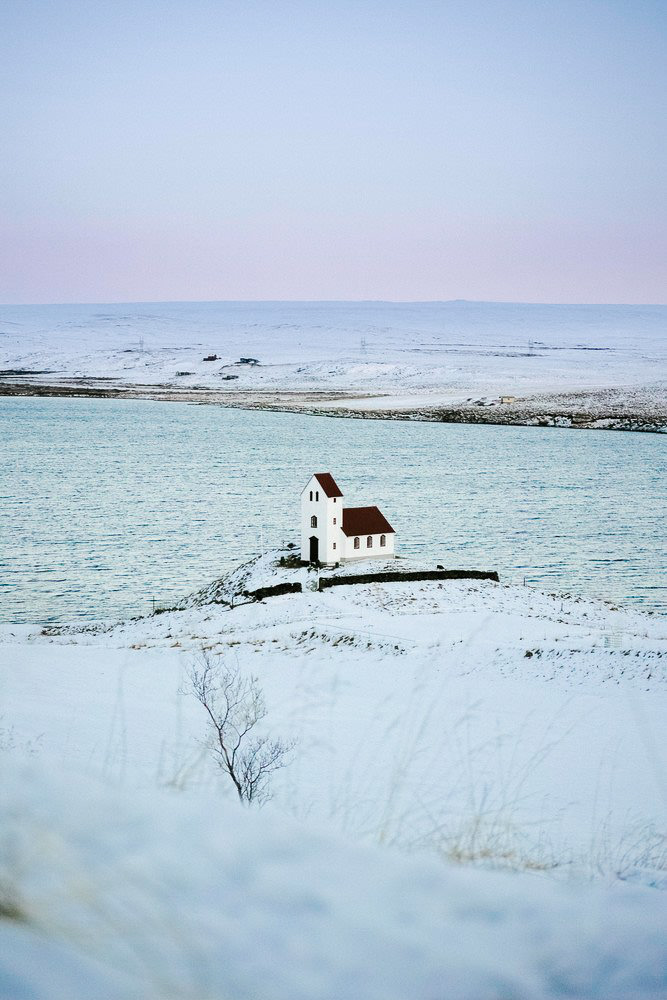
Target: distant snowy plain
{"points": [[409, 353]]}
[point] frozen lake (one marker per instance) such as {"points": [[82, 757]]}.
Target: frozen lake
{"points": [[105, 505]]}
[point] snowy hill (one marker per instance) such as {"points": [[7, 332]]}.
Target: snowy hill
{"points": [[465, 722]]}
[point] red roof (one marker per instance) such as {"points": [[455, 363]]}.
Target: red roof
{"points": [[365, 521], [328, 484]]}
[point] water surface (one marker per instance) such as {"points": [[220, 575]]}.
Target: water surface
{"points": [[106, 505]]}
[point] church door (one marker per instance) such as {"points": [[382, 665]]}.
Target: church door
{"points": [[314, 549]]}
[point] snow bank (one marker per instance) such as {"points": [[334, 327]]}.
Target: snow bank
{"points": [[181, 895]]}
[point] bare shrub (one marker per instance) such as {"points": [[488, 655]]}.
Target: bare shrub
{"points": [[10, 742], [638, 854], [235, 707]]}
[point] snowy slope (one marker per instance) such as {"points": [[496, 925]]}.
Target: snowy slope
{"points": [[442, 717], [460, 721], [185, 895]]}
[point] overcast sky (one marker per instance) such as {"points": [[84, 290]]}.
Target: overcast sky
{"points": [[264, 149]]}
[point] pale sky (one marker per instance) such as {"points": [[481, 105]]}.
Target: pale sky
{"points": [[262, 149]]}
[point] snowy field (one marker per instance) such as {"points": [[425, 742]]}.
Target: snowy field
{"points": [[394, 358], [442, 730]]}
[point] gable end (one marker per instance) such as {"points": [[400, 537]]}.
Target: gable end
{"points": [[328, 484]]}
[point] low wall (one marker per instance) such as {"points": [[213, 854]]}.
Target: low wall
{"points": [[394, 576], [279, 588]]}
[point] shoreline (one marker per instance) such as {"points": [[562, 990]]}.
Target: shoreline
{"points": [[594, 410]]}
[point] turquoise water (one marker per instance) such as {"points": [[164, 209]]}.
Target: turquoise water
{"points": [[106, 504]]}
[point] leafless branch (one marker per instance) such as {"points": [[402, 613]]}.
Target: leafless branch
{"points": [[235, 705]]}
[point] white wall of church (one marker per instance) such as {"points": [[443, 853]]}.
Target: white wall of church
{"points": [[328, 512], [375, 551]]}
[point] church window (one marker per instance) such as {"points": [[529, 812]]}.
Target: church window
{"points": [[313, 521], [334, 545], [334, 520], [317, 494], [383, 541], [311, 494], [356, 543], [369, 542]]}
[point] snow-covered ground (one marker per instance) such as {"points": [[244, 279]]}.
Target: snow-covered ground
{"points": [[185, 896], [459, 721], [385, 358]]}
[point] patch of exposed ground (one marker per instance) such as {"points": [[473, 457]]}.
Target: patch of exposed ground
{"points": [[625, 408]]}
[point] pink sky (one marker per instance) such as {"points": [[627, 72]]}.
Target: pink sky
{"points": [[506, 151]]}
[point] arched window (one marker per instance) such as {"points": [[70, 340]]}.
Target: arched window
{"points": [[311, 494], [356, 543], [313, 521], [369, 542], [383, 541], [317, 494]]}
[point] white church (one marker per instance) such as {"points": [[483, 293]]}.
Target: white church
{"points": [[332, 533]]}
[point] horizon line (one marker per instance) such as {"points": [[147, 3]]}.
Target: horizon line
{"points": [[380, 301]]}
